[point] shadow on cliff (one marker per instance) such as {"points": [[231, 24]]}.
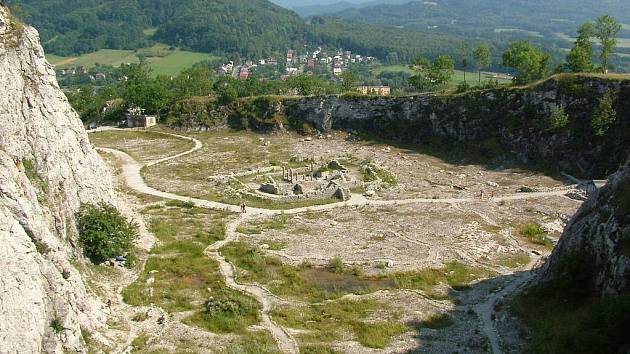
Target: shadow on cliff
{"points": [[563, 315], [488, 153], [479, 308]]}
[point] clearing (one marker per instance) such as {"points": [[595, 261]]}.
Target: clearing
{"points": [[411, 258]]}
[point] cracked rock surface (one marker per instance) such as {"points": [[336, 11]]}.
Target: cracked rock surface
{"points": [[48, 168]]}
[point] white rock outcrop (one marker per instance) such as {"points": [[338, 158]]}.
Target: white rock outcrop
{"points": [[48, 168]]}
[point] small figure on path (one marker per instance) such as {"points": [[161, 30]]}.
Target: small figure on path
{"points": [[492, 194], [243, 208], [109, 304], [481, 194], [161, 320]]}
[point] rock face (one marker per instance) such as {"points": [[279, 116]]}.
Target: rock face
{"points": [[517, 120], [598, 237], [48, 168]]}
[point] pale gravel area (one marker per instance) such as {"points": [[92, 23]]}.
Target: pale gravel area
{"points": [[422, 230]]}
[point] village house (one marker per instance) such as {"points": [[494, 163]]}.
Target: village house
{"points": [[337, 69], [375, 90], [290, 56], [244, 72], [137, 119]]}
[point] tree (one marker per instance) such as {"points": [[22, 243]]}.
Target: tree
{"points": [[604, 115], [580, 58], [464, 52], [483, 56], [349, 79], [606, 30], [104, 233], [529, 61], [431, 74]]}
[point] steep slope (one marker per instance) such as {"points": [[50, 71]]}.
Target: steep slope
{"points": [[47, 170], [597, 241]]}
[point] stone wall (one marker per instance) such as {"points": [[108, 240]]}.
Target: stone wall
{"points": [[48, 168]]}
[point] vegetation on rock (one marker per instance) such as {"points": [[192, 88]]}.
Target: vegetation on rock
{"points": [[104, 233]]}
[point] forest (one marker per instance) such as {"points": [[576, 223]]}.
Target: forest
{"points": [[249, 29]]}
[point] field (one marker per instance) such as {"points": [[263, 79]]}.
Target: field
{"points": [[531, 33], [471, 77], [160, 58], [621, 42]]}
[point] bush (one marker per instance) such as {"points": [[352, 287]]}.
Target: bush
{"points": [[604, 115], [104, 233], [558, 118], [336, 265], [56, 325]]}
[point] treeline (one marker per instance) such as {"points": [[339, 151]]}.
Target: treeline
{"points": [[162, 94]]}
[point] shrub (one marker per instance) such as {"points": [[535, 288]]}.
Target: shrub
{"points": [[558, 118], [56, 325], [104, 233], [189, 204], [336, 265], [604, 115]]}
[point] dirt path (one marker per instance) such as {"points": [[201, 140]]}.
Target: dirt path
{"points": [[131, 172], [285, 341]]}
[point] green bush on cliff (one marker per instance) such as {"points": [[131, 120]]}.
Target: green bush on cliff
{"points": [[558, 119], [604, 115], [104, 233]]}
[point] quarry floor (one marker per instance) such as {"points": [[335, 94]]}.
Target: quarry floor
{"points": [[423, 265]]}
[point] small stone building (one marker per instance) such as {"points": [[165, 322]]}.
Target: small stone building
{"points": [[375, 90], [137, 119]]}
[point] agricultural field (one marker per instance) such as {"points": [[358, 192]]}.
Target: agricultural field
{"points": [[414, 260], [162, 59], [472, 77]]}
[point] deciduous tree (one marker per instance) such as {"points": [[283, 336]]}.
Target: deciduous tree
{"points": [[530, 62], [606, 30]]}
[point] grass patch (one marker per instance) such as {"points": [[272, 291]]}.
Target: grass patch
{"points": [[534, 234], [317, 349], [277, 222], [377, 335], [275, 245], [514, 260], [455, 274], [181, 204], [142, 145], [140, 342], [189, 280], [326, 322], [253, 343], [305, 283]]}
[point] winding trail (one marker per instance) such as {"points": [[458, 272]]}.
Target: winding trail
{"points": [[131, 170], [285, 340]]}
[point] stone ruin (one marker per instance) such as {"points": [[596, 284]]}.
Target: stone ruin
{"points": [[332, 180]]}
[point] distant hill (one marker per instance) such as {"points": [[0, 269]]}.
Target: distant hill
{"points": [[219, 26], [479, 16], [246, 28]]}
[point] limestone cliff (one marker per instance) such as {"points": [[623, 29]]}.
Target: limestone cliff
{"points": [[519, 120], [596, 242], [47, 169]]}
